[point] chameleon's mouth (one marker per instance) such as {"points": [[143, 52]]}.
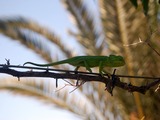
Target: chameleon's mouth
{"points": [[118, 64], [121, 63]]}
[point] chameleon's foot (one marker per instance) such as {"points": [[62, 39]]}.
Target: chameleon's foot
{"points": [[103, 72], [75, 72], [76, 69], [106, 74], [109, 75]]}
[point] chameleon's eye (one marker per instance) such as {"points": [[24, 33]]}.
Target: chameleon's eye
{"points": [[121, 61]]}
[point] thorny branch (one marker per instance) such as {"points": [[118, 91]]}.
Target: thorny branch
{"points": [[110, 82]]}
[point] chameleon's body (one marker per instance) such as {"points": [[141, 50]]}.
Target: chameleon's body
{"points": [[88, 62]]}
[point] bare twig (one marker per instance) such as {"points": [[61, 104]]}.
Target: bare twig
{"points": [[153, 49], [83, 76], [147, 42]]}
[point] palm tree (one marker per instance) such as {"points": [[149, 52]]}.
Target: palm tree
{"points": [[119, 25]]}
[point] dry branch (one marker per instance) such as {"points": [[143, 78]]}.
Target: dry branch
{"points": [[78, 76]]}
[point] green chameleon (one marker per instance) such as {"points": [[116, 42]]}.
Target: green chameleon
{"points": [[89, 62]]}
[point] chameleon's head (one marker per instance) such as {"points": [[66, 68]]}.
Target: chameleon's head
{"points": [[116, 61]]}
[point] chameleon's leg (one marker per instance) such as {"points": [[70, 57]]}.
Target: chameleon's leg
{"points": [[102, 71], [87, 66], [101, 68], [76, 69], [109, 74]]}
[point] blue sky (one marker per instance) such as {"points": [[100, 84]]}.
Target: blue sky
{"points": [[48, 13]]}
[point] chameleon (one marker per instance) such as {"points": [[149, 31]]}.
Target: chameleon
{"points": [[88, 62]]}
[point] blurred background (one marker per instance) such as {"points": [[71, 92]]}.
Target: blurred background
{"points": [[52, 30]]}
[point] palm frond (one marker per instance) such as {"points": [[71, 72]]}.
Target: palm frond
{"points": [[32, 89], [123, 25], [88, 33], [23, 23], [44, 91], [32, 43]]}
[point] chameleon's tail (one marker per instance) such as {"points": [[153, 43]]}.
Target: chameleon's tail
{"points": [[45, 65], [31, 63]]}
